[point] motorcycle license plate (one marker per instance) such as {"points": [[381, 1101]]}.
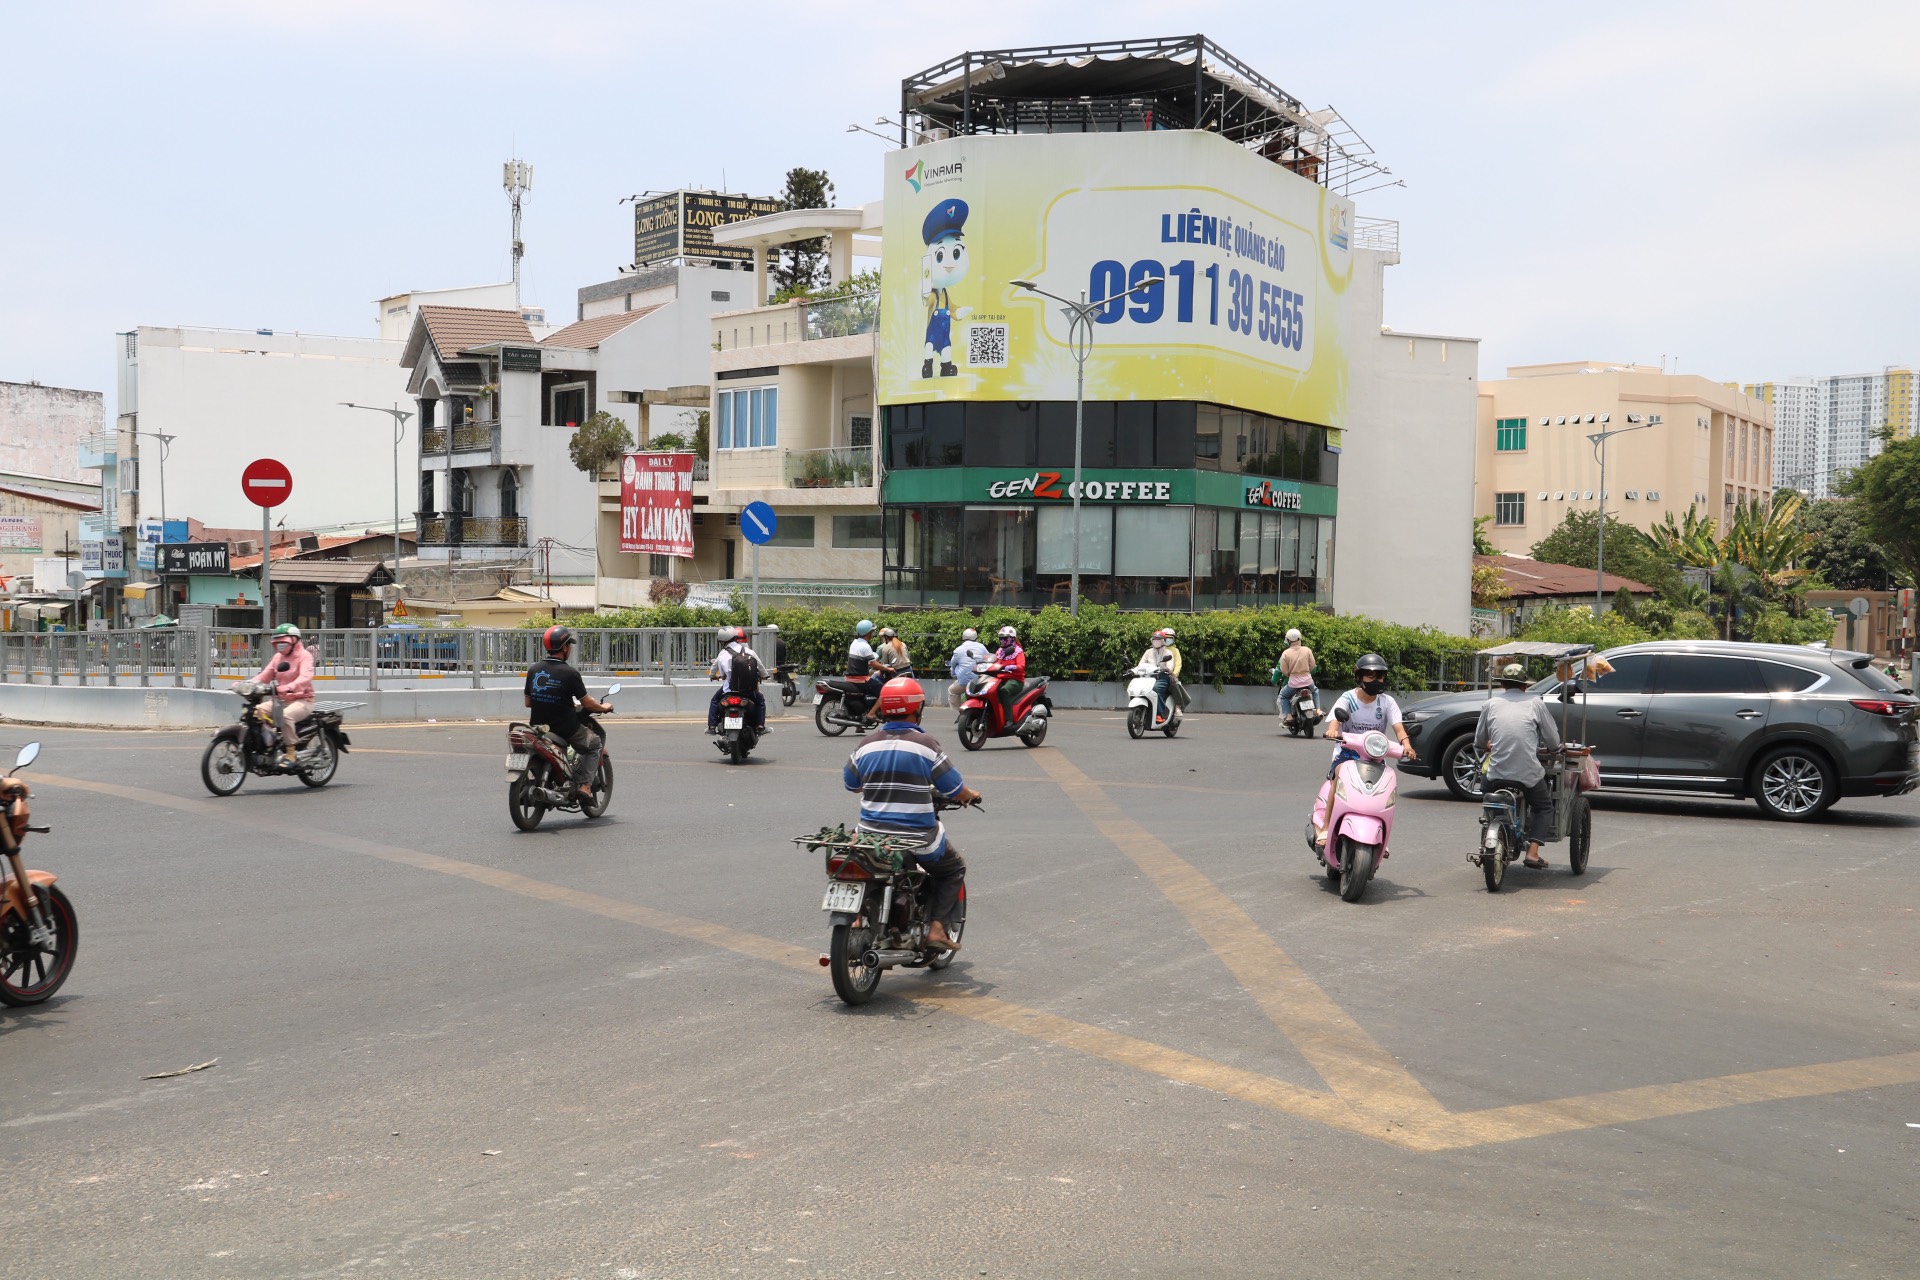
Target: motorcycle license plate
{"points": [[516, 762], [844, 897], [734, 722], [819, 698]]}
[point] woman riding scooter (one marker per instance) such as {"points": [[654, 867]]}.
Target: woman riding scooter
{"points": [[1369, 708]]}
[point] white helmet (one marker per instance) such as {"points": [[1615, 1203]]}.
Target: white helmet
{"points": [[1008, 633], [773, 626], [1293, 635], [969, 634]]}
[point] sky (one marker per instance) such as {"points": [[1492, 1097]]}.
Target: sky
{"points": [[1730, 188]]}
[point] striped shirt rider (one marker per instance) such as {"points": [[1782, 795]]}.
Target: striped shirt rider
{"points": [[897, 769]]}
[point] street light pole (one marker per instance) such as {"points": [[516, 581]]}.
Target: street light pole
{"points": [[1080, 343], [400, 417], [159, 567], [1599, 439]]}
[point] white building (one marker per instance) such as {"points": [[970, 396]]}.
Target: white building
{"points": [[1837, 423], [41, 428]]}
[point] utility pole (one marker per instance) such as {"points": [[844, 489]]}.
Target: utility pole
{"points": [[1599, 439]]}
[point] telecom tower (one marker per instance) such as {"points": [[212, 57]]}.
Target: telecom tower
{"points": [[516, 179]]}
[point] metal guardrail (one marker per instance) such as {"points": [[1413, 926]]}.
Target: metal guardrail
{"points": [[198, 657]]}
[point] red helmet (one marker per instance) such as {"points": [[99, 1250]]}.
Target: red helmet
{"points": [[740, 635], [899, 698], [557, 639]]}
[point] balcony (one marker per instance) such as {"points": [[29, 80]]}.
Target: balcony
{"points": [[828, 468], [97, 450], [802, 320], [472, 531], [466, 437], [841, 317]]}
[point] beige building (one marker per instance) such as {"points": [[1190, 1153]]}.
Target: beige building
{"points": [[1711, 446]]}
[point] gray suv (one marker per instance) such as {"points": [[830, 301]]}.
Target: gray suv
{"points": [[1795, 728]]}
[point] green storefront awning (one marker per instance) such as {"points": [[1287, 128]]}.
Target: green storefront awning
{"points": [[1105, 486]]}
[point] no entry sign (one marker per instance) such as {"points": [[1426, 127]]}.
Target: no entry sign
{"points": [[266, 483]]}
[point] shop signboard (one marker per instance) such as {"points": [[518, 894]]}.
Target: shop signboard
{"points": [[1045, 486], [680, 225], [656, 503], [19, 533], [520, 359], [194, 557], [1256, 264]]}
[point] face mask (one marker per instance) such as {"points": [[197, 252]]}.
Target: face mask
{"points": [[1373, 686], [1159, 642]]}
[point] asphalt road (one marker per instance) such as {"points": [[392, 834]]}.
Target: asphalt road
{"points": [[606, 1049]]}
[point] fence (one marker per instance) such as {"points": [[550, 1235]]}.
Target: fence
{"points": [[197, 657]]}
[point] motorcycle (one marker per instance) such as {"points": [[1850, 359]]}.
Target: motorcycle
{"points": [[38, 931], [789, 691], [737, 734], [982, 715], [1141, 711], [840, 703], [540, 772], [1360, 824], [251, 746], [1299, 714], [879, 898]]}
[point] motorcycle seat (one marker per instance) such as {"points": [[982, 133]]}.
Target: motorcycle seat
{"points": [[846, 684]]}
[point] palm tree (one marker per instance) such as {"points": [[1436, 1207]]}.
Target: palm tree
{"points": [[1766, 537], [1692, 542]]}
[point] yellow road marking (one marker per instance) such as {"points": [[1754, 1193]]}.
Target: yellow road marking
{"points": [[1382, 1107]]}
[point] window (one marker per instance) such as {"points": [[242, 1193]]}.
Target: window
{"points": [[1510, 435], [1133, 434], [749, 418], [1632, 673], [659, 566], [792, 531], [860, 431], [1700, 673], [569, 405], [1509, 508], [856, 531], [1781, 678], [510, 494], [1056, 539]]}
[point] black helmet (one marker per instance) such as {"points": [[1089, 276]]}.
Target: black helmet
{"points": [[557, 639], [1370, 662]]}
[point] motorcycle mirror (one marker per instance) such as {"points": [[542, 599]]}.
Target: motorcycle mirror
{"points": [[28, 754], [285, 666], [612, 689], [1342, 714]]}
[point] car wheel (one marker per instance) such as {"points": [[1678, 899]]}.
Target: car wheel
{"points": [[1459, 768], [1793, 784]]}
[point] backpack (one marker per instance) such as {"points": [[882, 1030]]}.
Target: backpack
{"points": [[745, 674]]}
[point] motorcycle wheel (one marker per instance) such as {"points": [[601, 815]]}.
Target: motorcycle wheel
{"points": [[1493, 862], [30, 973], [1172, 727], [525, 811], [1579, 835], [224, 766], [1035, 737], [945, 958], [973, 730], [326, 759], [789, 694], [853, 982], [602, 791], [737, 749], [824, 725], [1356, 869], [1136, 722]]}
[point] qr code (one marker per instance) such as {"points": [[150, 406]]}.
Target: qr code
{"points": [[987, 346]]}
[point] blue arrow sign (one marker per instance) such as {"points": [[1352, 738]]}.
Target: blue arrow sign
{"points": [[757, 522]]}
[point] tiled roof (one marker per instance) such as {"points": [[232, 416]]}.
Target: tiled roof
{"points": [[59, 497], [588, 334], [1526, 578], [455, 329]]}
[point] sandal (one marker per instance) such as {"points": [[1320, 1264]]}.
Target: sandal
{"points": [[1534, 864]]}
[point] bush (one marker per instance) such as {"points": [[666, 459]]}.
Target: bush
{"points": [[1577, 625], [1777, 626]]}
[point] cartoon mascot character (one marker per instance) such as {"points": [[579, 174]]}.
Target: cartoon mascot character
{"points": [[943, 266]]}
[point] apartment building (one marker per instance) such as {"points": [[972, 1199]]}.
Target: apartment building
{"points": [[1838, 421]]}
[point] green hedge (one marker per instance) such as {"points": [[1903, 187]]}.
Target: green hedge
{"points": [[1231, 646]]}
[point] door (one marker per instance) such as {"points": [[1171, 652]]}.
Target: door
{"points": [[1705, 707], [1614, 720]]}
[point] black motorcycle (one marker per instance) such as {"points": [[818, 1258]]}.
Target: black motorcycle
{"points": [[737, 737], [251, 745], [1299, 714], [789, 691], [840, 703]]}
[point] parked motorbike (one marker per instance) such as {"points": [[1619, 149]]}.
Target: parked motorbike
{"points": [[252, 746], [38, 931], [880, 900], [540, 772], [1299, 714], [982, 715], [1142, 714], [737, 737], [840, 703], [789, 691], [1360, 823]]}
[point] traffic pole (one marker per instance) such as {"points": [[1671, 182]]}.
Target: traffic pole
{"points": [[266, 567], [754, 619]]}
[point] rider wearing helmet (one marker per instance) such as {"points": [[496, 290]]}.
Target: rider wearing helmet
{"points": [[292, 687], [861, 664], [1164, 658], [1370, 708], [551, 687], [1011, 660], [739, 670], [897, 769], [966, 656], [893, 654], [1295, 667]]}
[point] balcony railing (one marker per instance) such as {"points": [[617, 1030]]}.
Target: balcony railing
{"points": [[468, 437], [1376, 233], [472, 531], [829, 468], [842, 317]]}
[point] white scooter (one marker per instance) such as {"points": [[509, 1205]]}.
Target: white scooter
{"points": [[1140, 706]]}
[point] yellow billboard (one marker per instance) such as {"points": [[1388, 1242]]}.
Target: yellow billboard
{"points": [[1256, 264]]}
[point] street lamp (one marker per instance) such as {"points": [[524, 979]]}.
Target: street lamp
{"points": [[1599, 439], [400, 417], [1080, 342], [166, 442]]}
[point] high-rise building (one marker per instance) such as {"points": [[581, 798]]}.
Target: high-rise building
{"points": [[1829, 425]]}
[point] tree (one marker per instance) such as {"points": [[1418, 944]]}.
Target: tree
{"points": [[1842, 554], [1888, 491], [1628, 553], [598, 441], [1489, 587], [803, 264], [1482, 544], [1767, 538], [701, 421]]}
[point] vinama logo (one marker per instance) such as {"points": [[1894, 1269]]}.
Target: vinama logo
{"points": [[913, 175], [923, 174]]}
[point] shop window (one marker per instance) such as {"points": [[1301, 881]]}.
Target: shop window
{"points": [[792, 531], [1153, 555], [569, 405], [1000, 433], [1133, 434], [1206, 437], [906, 426], [1174, 435], [997, 556], [945, 434], [1054, 434], [1510, 508], [1510, 435], [856, 532]]}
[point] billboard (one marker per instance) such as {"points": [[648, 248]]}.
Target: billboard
{"points": [[656, 503], [1256, 264], [19, 533], [680, 225]]}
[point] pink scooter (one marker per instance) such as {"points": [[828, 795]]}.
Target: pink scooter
{"points": [[1362, 819]]}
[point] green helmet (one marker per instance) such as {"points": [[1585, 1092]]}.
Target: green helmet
{"points": [[287, 629]]}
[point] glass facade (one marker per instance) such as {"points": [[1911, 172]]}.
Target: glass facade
{"points": [[1186, 506]]}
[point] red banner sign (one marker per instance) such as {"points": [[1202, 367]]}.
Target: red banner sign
{"points": [[656, 503]]}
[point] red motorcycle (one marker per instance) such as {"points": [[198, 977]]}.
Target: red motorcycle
{"points": [[540, 772], [38, 931], [983, 715]]}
